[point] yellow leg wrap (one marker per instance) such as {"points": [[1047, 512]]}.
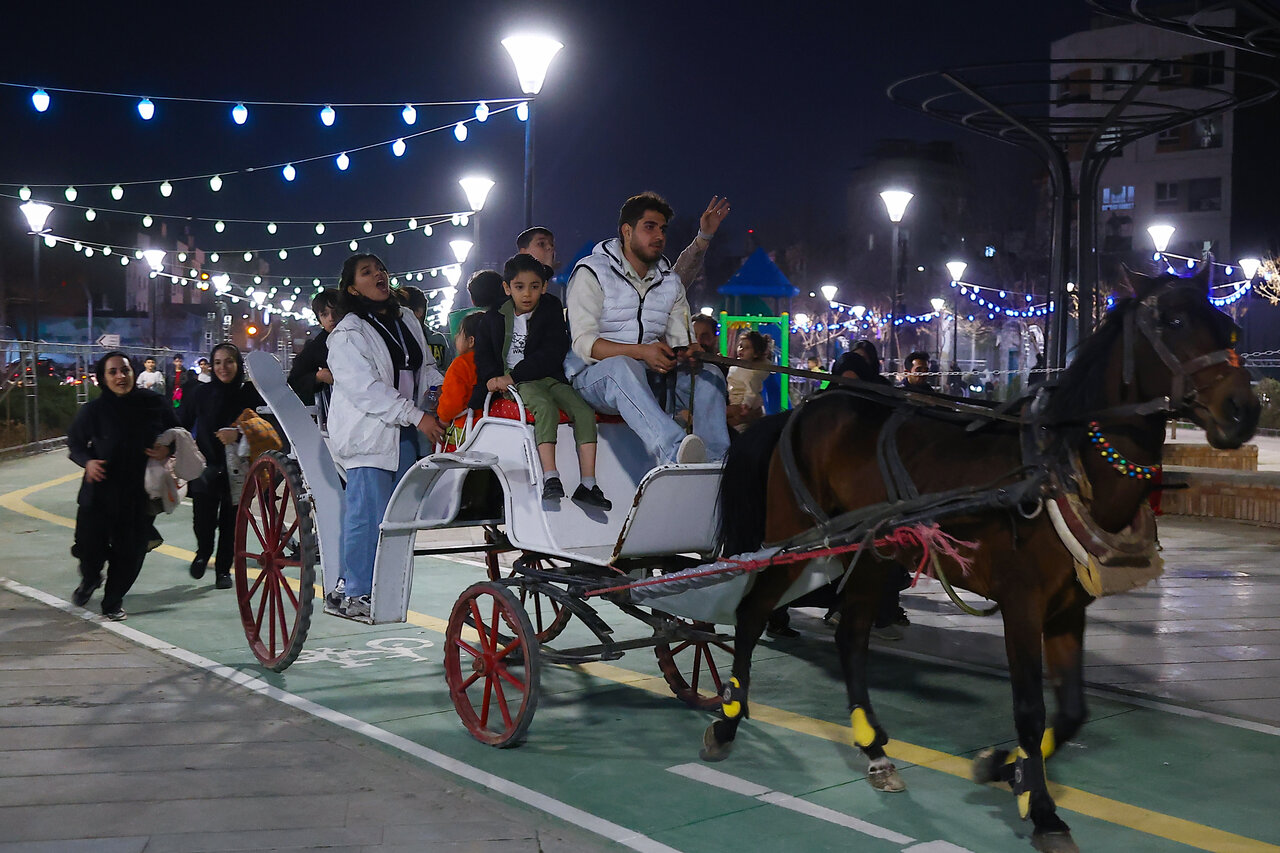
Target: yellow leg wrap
{"points": [[1047, 743], [732, 709], [863, 732], [1015, 755], [1024, 804]]}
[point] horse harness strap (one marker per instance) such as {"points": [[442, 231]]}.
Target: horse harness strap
{"points": [[1145, 318], [897, 480]]}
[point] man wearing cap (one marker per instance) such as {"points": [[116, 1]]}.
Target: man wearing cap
{"points": [[627, 314]]}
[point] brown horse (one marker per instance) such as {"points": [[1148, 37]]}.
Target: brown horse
{"points": [[1166, 351]]}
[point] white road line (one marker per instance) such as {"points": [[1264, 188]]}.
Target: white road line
{"points": [[702, 773], [535, 799]]}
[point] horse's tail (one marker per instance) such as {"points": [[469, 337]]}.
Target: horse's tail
{"points": [[742, 501]]}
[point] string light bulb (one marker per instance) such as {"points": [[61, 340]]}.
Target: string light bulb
{"points": [[413, 224], [215, 183], [146, 109], [219, 226], [316, 251], [343, 161], [460, 131], [91, 214], [289, 172], [522, 111], [327, 115], [70, 193], [40, 100], [368, 226], [25, 193], [353, 245], [397, 148], [166, 189], [271, 228], [239, 114], [283, 254], [117, 192], [482, 112], [319, 227], [214, 258], [248, 256], [146, 221], [409, 114], [426, 230]]}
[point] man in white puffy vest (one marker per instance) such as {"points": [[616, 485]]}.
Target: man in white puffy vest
{"points": [[627, 314]]}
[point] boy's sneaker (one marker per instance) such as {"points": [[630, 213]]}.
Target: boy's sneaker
{"points": [[591, 497], [692, 451], [333, 599], [553, 489], [117, 615], [355, 607]]}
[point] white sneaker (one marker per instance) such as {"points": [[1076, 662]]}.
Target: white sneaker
{"points": [[356, 607], [692, 450]]}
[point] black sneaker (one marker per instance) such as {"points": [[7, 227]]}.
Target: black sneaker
{"points": [[222, 581], [901, 618], [591, 497], [553, 489], [198, 567], [80, 597]]}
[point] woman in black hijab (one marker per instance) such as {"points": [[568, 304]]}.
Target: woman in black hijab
{"points": [[111, 438], [209, 411]]}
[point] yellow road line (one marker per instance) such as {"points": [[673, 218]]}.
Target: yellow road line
{"points": [[1072, 799]]}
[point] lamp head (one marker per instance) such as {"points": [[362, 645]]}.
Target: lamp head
{"points": [[1161, 235], [37, 214], [859, 310], [532, 56], [937, 302], [956, 269], [461, 248], [154, 259], [453, 274], [477, 191], [1249, 266], [829, 291], [895, 202]]}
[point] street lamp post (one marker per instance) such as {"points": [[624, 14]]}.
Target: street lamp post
{"points": [[37, 214], [829, 292], [532, 56], [956, 270], [895, 203], [155, 260], [938, 304]]}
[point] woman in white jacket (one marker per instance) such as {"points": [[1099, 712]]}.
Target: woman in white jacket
{"points": [[382, 369]]}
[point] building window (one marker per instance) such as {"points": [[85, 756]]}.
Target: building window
{"points": [[1120, 198], [1210, 68], [1167, 194], [1204, 194], [1170, 72], [1169, 138], [1207, 132]]}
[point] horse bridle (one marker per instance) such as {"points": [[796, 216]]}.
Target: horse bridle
{"points": [[1145, 318]]}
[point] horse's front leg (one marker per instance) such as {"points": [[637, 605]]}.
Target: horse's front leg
{"points": [[752, 615], [1064, 657], [1023, 630], [857, 612]]}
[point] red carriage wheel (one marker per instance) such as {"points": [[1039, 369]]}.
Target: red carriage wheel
{"points": [[549, 617], [696, 670], [491, 664], [275, 540]]}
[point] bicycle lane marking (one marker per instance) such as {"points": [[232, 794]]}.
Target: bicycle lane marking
{"points": [[1072, 799]]}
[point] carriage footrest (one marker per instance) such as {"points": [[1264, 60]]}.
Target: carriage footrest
{"points": [[462, 459]]}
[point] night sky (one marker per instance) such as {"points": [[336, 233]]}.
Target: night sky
{"points": [[769, 104]]}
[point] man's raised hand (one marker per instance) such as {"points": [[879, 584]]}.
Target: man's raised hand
{"points": [[717, 210]]}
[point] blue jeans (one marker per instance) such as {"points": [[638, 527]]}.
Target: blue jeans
{"points": [[617, 386], [366, 498]]}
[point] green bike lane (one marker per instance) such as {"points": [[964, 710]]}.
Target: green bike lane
{"points": [[610, 740]]}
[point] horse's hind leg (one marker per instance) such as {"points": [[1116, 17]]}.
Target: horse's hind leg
{"points": [[1023, 629], [753, 613], [857, 612]]}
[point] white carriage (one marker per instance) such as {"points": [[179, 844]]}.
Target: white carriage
{"points": [[288, 532]]}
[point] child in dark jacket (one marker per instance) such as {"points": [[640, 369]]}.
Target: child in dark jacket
{"points": [[523, 342]]}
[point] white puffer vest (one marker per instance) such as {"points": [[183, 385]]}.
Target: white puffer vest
{"points": [[629, 317]]}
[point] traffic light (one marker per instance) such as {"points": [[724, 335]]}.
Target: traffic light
{"points": [[251, 330]]}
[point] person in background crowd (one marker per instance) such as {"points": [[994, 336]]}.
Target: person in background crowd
{"points": [[917, 366], [627, 313], [310, 377], [460, 378], [485, 289], [382, 370], [151, 379], [209, 411], [523, 342], [746, 384], [415, 300], [112, 437], [540, 243]]}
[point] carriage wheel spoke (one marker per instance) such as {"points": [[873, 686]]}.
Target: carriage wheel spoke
{"points": [[257, 582], [288, 589], [280, 611], [484, 704], [502, 701], [253, 522], [477, 622]]}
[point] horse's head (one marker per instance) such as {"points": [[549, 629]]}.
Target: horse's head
{"points": [[1184, 348]]}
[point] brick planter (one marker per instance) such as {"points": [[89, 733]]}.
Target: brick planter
{"points": [[1243, 496], [1203, 456]]}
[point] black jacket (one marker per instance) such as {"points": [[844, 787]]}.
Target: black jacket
{"points": [[210, 406], [118, 430], [544, 349], [302, 375]]}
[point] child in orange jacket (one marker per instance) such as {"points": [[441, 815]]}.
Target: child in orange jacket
{"points": [[460, 378]]}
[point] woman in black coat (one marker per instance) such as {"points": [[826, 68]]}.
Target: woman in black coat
{"points": [[112, 438], [209, 411]]}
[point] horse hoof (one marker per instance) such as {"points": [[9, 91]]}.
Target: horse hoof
{"points": [[712, 749], [886, 779], [1054, 842], [986, 766]]}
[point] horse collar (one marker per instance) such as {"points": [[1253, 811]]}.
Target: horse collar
{"points": [[1113, 458]]}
